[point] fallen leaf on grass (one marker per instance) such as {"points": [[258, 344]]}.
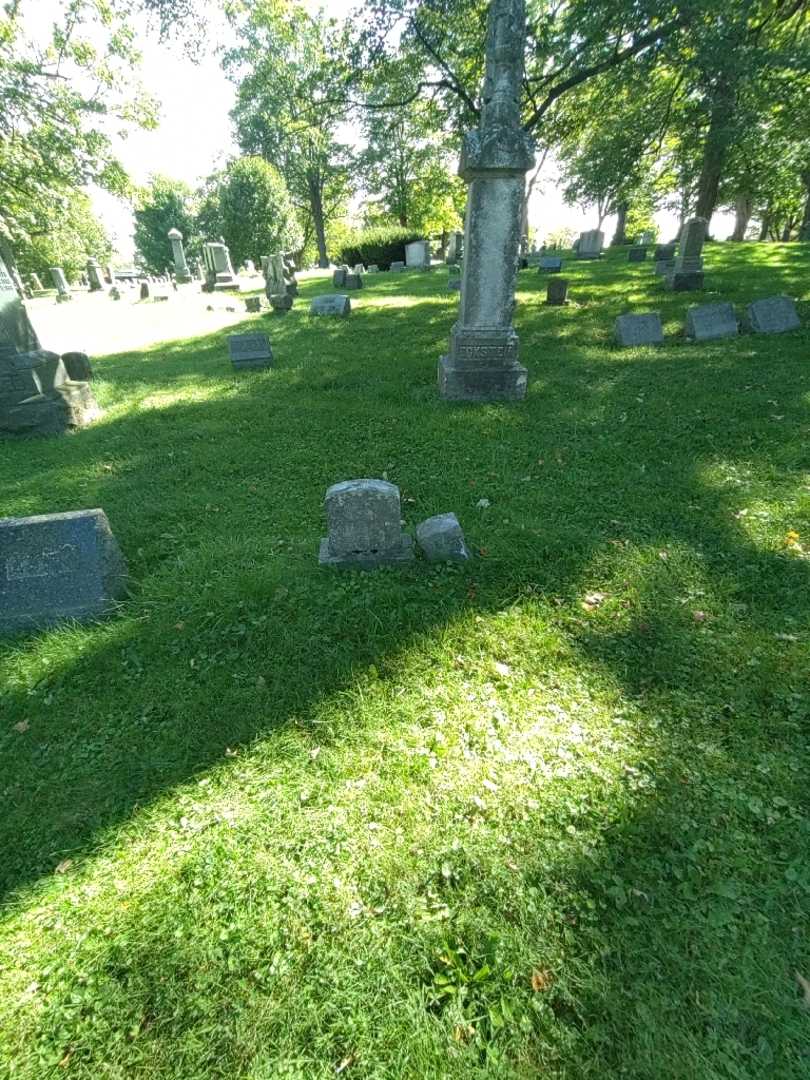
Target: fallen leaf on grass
{"points": [[344, 1064], [64, 866], [593, 600], [699, 616], [502, 669], [542, 980], [482, 504], [805, 988], [22, 727]]}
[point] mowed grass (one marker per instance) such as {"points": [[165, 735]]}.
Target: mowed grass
{"points": [[542, 815]]}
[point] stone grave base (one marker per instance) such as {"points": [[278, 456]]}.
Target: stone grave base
{"points": [[505, 382], [685, 281], [368, 560], [70, 406]]}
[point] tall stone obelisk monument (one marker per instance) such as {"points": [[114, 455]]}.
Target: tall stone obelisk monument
{"points": [[482, 364]]}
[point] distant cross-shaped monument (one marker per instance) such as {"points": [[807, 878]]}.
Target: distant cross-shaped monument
{"points": [[482, 364]]}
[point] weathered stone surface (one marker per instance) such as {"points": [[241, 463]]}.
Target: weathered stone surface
{"points": [[334, 304], [364, 530], [685, 280], [56, 567], [773, 315], [16, 330], [637, 254], [38, 398], [664, 252], [482, 363], [550, 264], [339, 278], [353, 281], [632, 330], [372, 268], [181, 269], [77, 366], [417, 255], [253, 304], [94, 275], [557, 292], [275, 282], [281, 304], [219, 272], [591, 243], [36, 284], [397, 267], [707, 322], [663, 267], [250, 351], [686, 275], [441, 539]]}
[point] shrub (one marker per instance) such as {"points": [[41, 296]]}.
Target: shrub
{"points": [[381, 245]]}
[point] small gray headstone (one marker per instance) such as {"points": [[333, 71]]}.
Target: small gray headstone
{"points": [[557, 292], [339, 278], [56, 567], [353, 281], [637, 254], [253, 304], [281, 304], [774, 315], [397, 267], [372, 269], [664, 267], [77, 366], [550, 264], [250, 351], [363, 519], [441, 539], [335, 304], [707, 322], [664, 252], [644, 329], [144, 290]]}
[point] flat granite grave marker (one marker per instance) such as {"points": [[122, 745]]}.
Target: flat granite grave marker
{"points": [[442, 540], [557, 292], [632, 330], [250, 351], [336, 304], [708, 322], [57, 566], [773, 315], [363, 520], [550, 264]]}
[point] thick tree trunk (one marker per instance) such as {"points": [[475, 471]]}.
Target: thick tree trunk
{"points": [[765, 226], [715, 149], [804, 228], [787, 232], [620, 235], [743, 209], [316, 205]]}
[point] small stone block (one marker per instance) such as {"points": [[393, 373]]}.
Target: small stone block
{"points": [[637, 254], [774, 315], [557, 292], [707, 322], [338, 278], [55, 567], [663, 267], [250, 351], [77, 366], [685, 280], [253, 304], [550, 265], [353, 281], [336, 304], [633, 330], [363, 518], [281, 302], [441, 539], [397, 267]]}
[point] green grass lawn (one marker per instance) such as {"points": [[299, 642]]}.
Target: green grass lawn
{"points": [[542, 815]]}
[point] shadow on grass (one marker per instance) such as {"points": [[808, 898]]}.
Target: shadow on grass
{"points": [[233, 632]]}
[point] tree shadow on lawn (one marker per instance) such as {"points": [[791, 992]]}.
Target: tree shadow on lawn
{"points": [[233, 631]]}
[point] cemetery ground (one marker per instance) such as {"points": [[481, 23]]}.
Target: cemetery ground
{"points": [[541, 814]]}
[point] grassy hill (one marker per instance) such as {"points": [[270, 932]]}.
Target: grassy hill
{"points": [[542, 815]]}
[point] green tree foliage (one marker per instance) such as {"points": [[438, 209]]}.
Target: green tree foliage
{"points": [[61, 94], [291, 100], [380, 245], [248, 204], [65, 239], [163, 205]]}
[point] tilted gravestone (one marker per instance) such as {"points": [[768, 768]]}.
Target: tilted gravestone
{"points": [[774, 315], [637, 254], [336, 304], [250, 351], [708, 322], [557, 292], [36, 284], [56, 567], [632, 330], [550, 264], [364, 529], [442, 540]]}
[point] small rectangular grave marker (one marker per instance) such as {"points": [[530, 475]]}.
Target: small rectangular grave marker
{"points": [[55, 567], [707, 322], [773, 315], [633, 330], [335, 304], [557, 292], [363, 518], [551, 264], [250, 351]]}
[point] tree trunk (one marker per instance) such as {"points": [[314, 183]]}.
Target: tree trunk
{"points": [[743, 209], [316, 205], [788, 230], [765, 226], [620, 235], [715, 150], [804, 228]]}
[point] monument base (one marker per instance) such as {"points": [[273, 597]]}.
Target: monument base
{"points": [[464, 382], [685, 280], [71, 406], [368, 560]]}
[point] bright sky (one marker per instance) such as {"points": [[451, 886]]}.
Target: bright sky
{"points": [[194, 137]]}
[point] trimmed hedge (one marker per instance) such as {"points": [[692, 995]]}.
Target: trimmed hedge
{"points": [[380, 246]]}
